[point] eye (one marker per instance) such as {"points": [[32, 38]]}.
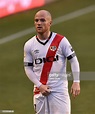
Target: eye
{"points": [[36, 20], [42, 20]]}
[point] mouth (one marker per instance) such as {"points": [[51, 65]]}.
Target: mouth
{"points": [[39, 27]]}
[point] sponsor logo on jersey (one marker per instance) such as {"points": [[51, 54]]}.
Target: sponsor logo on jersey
{"points": [[48, 59], [36, 51], [53, 48]]}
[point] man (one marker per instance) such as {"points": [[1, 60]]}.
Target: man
{"points": [[45, 57]]}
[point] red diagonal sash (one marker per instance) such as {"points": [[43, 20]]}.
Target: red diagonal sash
{"points": [[47, 66]]}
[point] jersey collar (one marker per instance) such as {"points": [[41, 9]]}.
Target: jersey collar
{"points": [[45, 41]]}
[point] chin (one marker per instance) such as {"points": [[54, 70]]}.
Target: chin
{"points": [[40, 32]]}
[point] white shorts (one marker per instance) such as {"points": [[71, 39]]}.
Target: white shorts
{"points": [[54, 103]]}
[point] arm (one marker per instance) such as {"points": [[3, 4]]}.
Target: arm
{"points": [[44, 89], [75, 88], [70, 55], [30, 74]]}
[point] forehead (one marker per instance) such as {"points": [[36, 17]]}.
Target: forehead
{"points": [[41, 15]]}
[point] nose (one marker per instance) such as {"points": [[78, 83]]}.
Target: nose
{"points": [[39, 22]]}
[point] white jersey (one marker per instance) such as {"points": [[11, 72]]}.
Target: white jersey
{"points": [[35, 55]]}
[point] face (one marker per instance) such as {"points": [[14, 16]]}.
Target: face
{"points": [[42, 22]]}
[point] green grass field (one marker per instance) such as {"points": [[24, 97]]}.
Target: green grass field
{"points": [[15, 88]]}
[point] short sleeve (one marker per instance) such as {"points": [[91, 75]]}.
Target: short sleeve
{"points": [[27, 55], [67, 49]]}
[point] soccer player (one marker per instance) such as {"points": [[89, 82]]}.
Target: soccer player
{"points": [[45, 57]]}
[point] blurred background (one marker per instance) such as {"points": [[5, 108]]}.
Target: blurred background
{"points": [[74, 19]]}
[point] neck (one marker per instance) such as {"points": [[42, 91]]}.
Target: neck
{"points": [[43, 36]]}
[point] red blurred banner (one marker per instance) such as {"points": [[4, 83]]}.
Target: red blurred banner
{"points": [[8, 7]]}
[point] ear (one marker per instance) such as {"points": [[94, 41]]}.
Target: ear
{"points": [[50, 22]]}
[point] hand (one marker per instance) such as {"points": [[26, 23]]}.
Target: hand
{"points": [[75, 89], [44, 89]]}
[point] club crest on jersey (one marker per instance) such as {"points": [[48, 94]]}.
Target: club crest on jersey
{"points": [[53, 48]]}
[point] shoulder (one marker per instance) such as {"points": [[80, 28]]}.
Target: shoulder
{"points": [[64, 39], [30, 41], [57, 35], [28, 44], [64, 44]]}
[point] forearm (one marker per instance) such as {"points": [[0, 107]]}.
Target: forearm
{"points": [[30, 74], [75, 69]]}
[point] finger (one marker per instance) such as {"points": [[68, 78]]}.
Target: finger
{"points": [[48, 90], [46, 93], [77, 92], [73, 92]]}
